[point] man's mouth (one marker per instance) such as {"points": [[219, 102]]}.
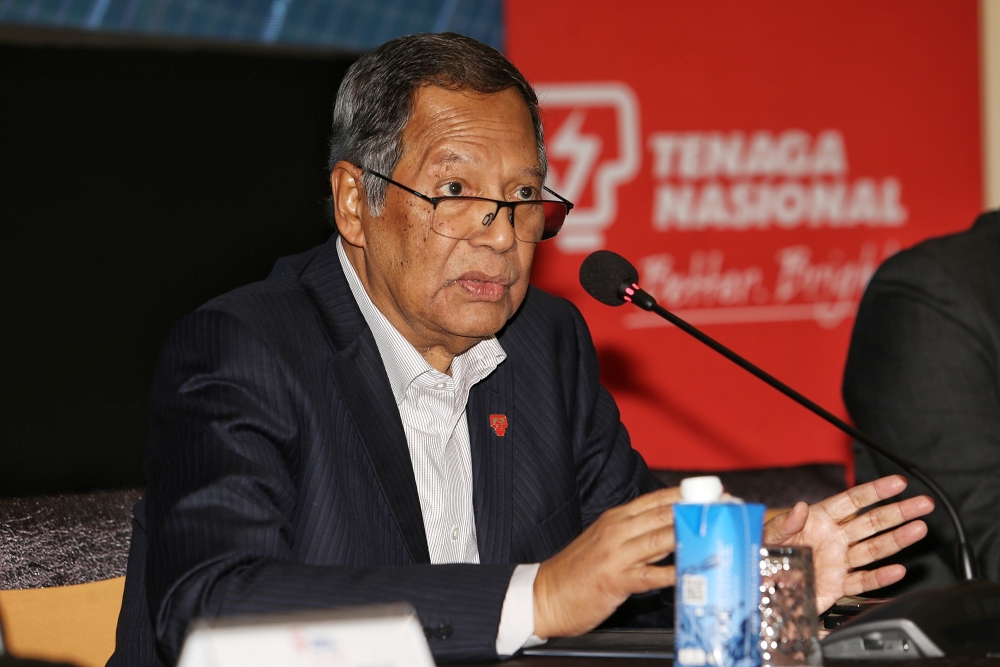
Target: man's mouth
{"points": [[480, 286]]}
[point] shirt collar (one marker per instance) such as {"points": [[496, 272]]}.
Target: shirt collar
{"points": [[403, 363]]}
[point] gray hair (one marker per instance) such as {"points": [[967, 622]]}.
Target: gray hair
{"points": [[376, 98]]}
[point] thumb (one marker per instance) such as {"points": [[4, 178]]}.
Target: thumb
{"points": [[783, 528]]}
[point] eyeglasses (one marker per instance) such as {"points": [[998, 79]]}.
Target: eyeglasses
{"points": [[462, 217]]}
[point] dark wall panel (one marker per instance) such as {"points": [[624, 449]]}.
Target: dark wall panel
{"points": [[134, 186]]}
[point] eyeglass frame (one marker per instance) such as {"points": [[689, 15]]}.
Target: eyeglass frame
{"points": [[434, 201]]}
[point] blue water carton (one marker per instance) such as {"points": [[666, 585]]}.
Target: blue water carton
{"points": [[718, 577]]}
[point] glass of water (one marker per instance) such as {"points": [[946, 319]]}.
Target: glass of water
{"points": [[789, 625]]}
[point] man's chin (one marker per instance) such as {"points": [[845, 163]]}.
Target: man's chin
{"points": [[479, 319]]}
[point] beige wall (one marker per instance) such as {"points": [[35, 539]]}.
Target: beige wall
{"points": [[990, 72]]}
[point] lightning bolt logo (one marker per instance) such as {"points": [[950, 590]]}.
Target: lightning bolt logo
{"points": [[580, 150], [585, 168]]}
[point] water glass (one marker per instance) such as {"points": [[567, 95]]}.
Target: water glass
{"points": [[789, 625]]}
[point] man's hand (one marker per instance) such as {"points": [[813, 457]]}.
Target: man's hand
{"points": [[585, 582], [843, 540]]}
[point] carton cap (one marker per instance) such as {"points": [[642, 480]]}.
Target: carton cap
{"points": [[701, 490]]}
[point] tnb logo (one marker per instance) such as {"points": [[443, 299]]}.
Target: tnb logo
{"points": [[586, 168], [499, 424]]}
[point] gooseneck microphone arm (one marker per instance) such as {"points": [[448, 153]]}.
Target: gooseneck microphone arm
{"points": [[624, 287]]}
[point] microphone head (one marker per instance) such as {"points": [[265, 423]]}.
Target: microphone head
{"points": [[605, 274]]}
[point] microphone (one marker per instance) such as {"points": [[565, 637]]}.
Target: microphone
{"points": [[612, 280]]}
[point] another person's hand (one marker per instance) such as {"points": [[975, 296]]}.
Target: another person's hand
{"points": [[585, 582], [843, 540]]}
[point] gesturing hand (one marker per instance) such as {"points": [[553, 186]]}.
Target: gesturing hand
{"points": [[585, 582], [843, 540]]}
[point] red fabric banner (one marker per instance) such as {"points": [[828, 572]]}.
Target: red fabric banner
{"points": [[756, 161]]}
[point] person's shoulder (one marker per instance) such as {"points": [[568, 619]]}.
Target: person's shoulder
{"points": [[278, 309], [956, 257], [280, 294], [957, 275]]}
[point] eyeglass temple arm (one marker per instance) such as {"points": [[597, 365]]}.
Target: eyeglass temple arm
{"points": [[433, 200], [569, 204]]}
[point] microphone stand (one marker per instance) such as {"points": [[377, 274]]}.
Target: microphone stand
{"points": [[966, 558], [958, 619]]}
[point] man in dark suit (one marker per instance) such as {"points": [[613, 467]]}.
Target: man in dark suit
{"points": [[923, 378], [396, 415]]}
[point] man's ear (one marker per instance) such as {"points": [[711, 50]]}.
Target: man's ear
{"points": [[348, 200]]}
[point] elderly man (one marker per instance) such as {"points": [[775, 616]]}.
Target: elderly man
{"points": [[397, 415]]}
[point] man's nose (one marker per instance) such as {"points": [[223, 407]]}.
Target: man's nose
{"points": [[498, 230]]}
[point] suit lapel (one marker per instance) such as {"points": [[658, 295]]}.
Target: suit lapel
{"points": [[364, 388], [492, 463]]}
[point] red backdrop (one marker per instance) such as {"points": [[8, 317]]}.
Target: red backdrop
{"points": [[756, 161]]}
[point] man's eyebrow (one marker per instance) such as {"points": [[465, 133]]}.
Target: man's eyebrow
{"points": [[451, 158], [458, 158]]}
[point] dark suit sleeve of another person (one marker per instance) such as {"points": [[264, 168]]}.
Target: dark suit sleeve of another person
{"points": [[922, 378]]}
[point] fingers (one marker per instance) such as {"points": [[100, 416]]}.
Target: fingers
{"points": [[863, 581], [786, 526], [642, 538], [650, 546], [588, 579], [643, 529], [883, 518], [843, 505], [649, 577], [886, 544], [647, 501]]}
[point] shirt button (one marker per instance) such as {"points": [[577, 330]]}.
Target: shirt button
{"points": [[454, 532], [441, 385]]}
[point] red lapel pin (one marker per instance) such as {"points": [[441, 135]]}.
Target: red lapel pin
{"points": [[499, 424]]}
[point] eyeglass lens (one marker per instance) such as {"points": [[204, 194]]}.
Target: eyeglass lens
{"points": [[462, 218]]}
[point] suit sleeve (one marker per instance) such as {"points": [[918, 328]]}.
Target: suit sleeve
{"points": [[922, 378], [222, 461], [609, 471]]}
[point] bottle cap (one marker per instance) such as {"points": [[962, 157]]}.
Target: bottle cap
{"points": [[701, 490]]}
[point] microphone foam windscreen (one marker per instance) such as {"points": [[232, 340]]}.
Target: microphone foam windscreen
{"points": [[604, 273]]}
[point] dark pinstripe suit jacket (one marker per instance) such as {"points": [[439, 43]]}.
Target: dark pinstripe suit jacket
{"points": [[279, 476]]}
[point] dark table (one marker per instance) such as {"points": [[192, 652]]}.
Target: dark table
{"points": [[957, 661]]}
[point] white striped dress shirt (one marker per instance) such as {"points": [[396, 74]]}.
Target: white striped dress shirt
{"points": [[432, 408]]}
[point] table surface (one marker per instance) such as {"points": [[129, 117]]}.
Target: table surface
{"points": [[958, 661]]}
